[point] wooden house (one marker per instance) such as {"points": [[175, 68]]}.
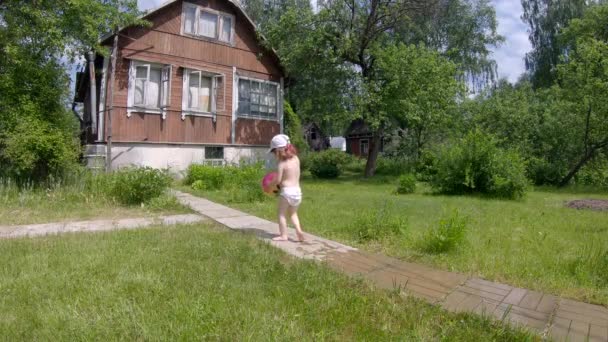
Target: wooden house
{"points": [[317, 141], [197, 85], [358, 138]]}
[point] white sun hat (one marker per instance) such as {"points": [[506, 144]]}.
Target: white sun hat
{"points": [[278, 141]]}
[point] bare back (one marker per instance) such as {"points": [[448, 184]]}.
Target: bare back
{"points": [[289, 171]]}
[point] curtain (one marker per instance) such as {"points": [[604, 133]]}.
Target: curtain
{"points": [[153, 89], [141, 75], [226, 33], [208, 24], [193, 87], [189, 20], [205, 95]]}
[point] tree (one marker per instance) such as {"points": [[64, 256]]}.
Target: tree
{"points": [[584, 81], [332, 56], [37, 38], [546, 18], [418, 89]]}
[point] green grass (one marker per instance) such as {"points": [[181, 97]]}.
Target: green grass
{"points": [[66, 203], [533, 243], [201, 282]]}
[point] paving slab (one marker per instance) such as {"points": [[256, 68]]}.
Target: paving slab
{"points": [[32, 230], [559, 319]]}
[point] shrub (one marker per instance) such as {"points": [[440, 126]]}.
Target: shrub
{"points": [[448, 235], [476, 165], [594, 174], [406, 184], [240, 183], [36, 151], [207, 177], [374, 224], [293, 128], [328, 164], [138, 185], [392, 166]]}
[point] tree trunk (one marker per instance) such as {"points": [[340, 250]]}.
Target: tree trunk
{"points": [[587, 157], [372, 156]]}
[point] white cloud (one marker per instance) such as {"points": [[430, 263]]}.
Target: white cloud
{"points": [[510, 55]]}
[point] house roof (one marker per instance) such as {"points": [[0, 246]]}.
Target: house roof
{"points": [[357, 127], [235, 3]]}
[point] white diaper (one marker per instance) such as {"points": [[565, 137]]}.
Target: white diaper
{"points": [[293, 195]]}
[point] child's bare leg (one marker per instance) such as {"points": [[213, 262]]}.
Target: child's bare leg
{"points": [[293, 215], [283, 207]]}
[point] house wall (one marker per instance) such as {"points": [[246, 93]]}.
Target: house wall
{"points": [[177, 157], [163, 44]]}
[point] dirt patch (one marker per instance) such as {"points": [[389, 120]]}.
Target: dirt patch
{"points": [[590, 204]]}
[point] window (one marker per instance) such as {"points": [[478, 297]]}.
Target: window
{"points": [[202, 93], [214, 152], [203, 22], [364, 147], [149, 88], [257, 99]]}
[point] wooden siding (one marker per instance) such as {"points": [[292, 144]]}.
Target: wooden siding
{"points": [[255, 132], [163, 44]]}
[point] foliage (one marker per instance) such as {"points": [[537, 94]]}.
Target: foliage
{"points": [[418, 89], [449, 233], [595, 173], [545, 19], [138, 185], [332, 55], [205, 177], [476, 164], [328, 163], [241, 183], [406, 184], [35, 150], [37, 38], [376, 224], [392, 166], [293, 128]]}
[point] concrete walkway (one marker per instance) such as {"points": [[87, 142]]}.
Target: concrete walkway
{"points": [[557, 318], [7, 232]]}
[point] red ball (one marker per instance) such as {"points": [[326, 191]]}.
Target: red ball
{"points": [[270, 182]]}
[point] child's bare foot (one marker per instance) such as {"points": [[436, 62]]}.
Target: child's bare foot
{"points": [[280, 238], [300, 237]]}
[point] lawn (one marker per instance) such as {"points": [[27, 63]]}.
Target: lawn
{"points": [[203, 282], [533, 243], [73, 202]]}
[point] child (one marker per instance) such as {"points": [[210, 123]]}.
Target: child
{"points": [[290, 195]]}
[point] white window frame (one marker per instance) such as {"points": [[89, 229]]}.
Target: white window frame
{"points": [[218, 28], [259, 117], [213, 96], [361, 147], [166, 71]]}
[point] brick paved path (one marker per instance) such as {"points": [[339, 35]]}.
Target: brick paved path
{"points": [[551, 316]]}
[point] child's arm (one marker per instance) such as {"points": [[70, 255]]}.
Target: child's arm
{"points": [[280, 171]]}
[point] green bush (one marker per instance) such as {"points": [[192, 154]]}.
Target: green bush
{"points": [[376, 224], [449, 234], [392, 166], [35, 151], [328, 164], [476, 165], [139, 184], [406, 184], [293, 128], [206, 177], [594, 174], [240, 183]]}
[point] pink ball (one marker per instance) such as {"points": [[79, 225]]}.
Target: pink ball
{"points": [[270, 182]]}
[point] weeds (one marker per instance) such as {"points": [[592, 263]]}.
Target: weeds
{"points": [[447, 235]]}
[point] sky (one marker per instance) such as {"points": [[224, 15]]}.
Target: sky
{"points": [[509, 55]]}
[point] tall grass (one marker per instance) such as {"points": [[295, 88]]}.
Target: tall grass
{"points": [[81, 195]]}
